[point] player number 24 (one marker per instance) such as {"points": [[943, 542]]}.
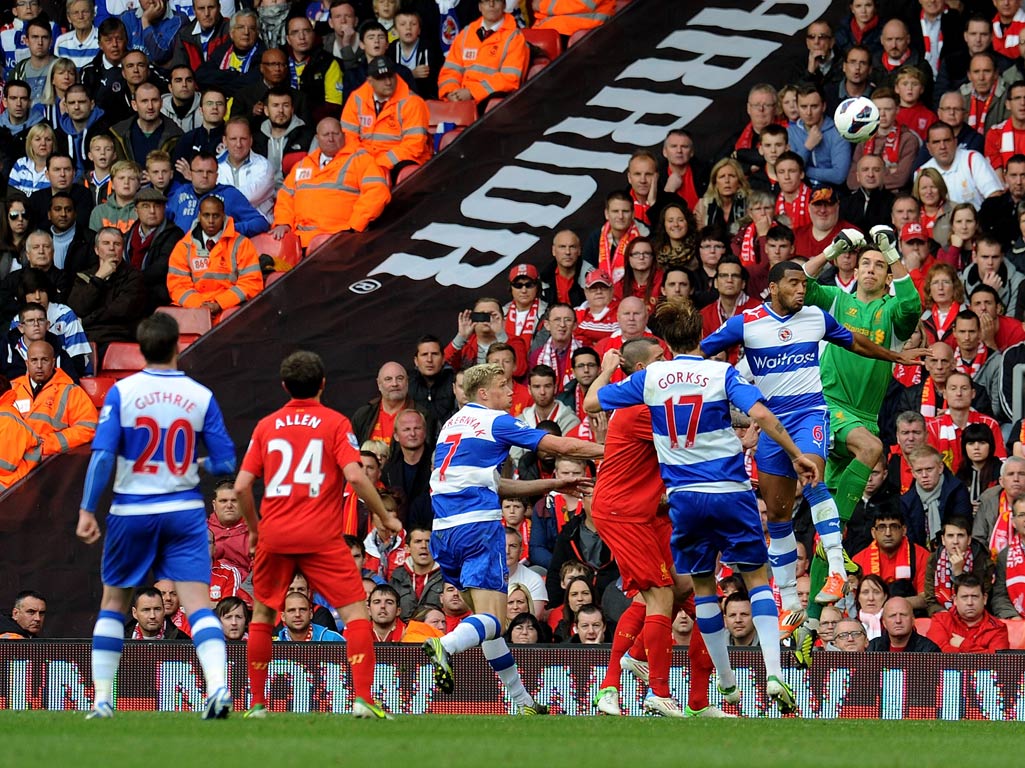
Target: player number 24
{"points": [[683, 410], [307, 472]]}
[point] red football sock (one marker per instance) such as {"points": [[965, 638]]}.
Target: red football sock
{"points": [[628, 629], [258, 652], [360, 640], [658, 640], [637, 650], [701, 669]]}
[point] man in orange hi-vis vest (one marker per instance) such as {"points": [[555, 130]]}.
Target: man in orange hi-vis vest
{"points": [[385, 118], [487, 57], [569, 16], [330, 190]]}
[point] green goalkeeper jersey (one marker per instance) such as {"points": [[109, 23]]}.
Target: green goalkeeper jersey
{"points": [[851, 382]]}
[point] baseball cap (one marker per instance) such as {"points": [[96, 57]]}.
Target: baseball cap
{"points": [[912, 231], [596, 276], [523, 270], [380, 66], [824, 195], [150, 195]]}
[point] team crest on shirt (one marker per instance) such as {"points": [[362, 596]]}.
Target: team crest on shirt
{"points": [[852, 311], [353, 441], [215, 592], [879, 316], [785, 334]]}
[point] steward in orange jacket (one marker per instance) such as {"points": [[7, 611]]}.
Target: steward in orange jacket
{"points": [[569, 16], [20, 447], [60, 412], [218, 277], [349, 192], [396, 133], [485, 62]]}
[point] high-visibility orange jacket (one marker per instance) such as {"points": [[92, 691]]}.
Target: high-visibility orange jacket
{"points": [[61, 414], [397, 133], [229, 274], [569, 16], [347, 193], [20, 447], [496, 65]]}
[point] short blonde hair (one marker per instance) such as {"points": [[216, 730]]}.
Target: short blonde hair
{"points": [[478, 377], [123, 166], [37, 130]]}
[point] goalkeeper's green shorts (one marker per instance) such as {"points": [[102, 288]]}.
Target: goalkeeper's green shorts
{"points": [[841, 423]]}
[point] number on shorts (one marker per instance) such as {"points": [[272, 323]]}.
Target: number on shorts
{"points": [[178, 429], [307, 472], [686, 409], [452, 443]]}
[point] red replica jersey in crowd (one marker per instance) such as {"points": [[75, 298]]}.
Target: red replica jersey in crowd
{"points": [[629, 486], [299, 451]]}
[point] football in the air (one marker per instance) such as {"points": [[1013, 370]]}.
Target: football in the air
{"points": [[857, 119]]}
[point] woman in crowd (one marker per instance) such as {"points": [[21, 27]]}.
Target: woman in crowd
{"points": [[872, 593], [49, 109], [234, 615], [28, 174], [944, 298], [518, 600], [860, 27], [712, 246], [641, 278], [524, 313], [525, 629], [788, 103], [960, 251], [980, 468], [725, 200], [931, 192], [13, 232], [579, 591], [676, 237]]}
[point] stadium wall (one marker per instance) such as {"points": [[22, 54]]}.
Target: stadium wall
{"points": [[314, 677]]}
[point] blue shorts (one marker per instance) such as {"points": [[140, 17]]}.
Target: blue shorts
{"points": [[707, 524], [173, 545], [810, 432], [472, 556]]}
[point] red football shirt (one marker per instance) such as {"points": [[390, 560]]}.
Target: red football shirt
{"points": [[629, 486], [299, 451]]}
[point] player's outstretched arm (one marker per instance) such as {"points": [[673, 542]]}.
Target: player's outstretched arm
{"points": [[807, 470], [365, 489], [97, 477], [508, 488], [570, 447], [609, 363], [866, 348], [247, 505]]}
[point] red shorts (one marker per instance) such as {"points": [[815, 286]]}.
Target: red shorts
{"points": [[331, 573], [641, 550]]}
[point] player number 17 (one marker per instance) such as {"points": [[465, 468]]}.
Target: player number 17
{"points": [[307, 472], [685, 409]]}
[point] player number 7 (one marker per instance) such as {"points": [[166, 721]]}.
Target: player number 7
{"points": [[453, 443], [685, 409]]}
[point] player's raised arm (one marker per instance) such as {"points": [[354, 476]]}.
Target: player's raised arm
{"points": [[807, 470], [609, 363], [846, 240]]}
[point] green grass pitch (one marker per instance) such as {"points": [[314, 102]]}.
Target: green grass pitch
{"points": [[153, 740]]}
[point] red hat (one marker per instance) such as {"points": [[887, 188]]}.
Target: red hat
{"points": [[912, 231], [596, 276], [523, 270]]}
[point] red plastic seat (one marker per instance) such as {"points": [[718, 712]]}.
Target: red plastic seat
{"points": [[459, 112], [621, 4], [449, 137], [288, 248], [193, 322], [1016, 633], [122, 359], [536, 69], [576, 37], [494, 104], [406, 172], [228, 313], [922, 625], [272, 278], [97, 387], [288, 161], [548, 40], [318, 241]]}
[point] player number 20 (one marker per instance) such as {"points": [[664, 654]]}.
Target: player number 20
{"points": [[307, 472], [684, 410]]}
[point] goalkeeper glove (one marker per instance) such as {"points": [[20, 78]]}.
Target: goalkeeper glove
{"points": [[848, 240], [885, 239]]}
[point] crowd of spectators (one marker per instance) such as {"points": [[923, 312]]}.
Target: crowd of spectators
{"points": [[939, 532]]}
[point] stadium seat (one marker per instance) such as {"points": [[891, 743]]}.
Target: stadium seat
{"points": [[318, 241], [97, 387], [536, 69], [94, 357], [406, 172], [922, 625], [576, 37], [461, 113], [494, 104], [288, 162], [227, 313], [621, 4], [1016, 633], [288, 248], [122, 359], [193, 322], [548, 41], [272, 278], [449, 137]]}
